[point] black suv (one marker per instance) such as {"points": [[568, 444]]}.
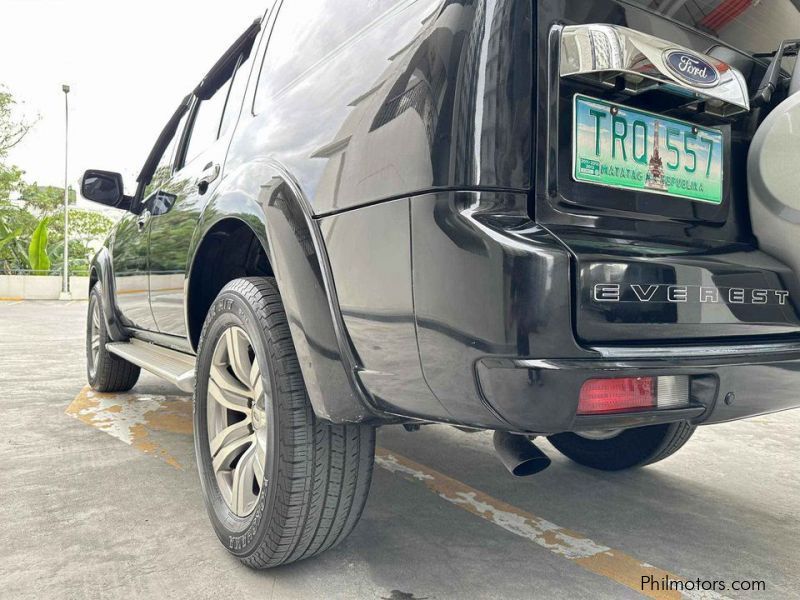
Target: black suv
{"points": [[527, 217]]}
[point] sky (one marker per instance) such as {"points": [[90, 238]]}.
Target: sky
{"points": [[128, 65]]}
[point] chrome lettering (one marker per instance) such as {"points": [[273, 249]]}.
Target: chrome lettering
{"points": [[606, 292], [644, 296], [709, 294], [677, 293], [662, 292], [736, 295], [689, 65]]}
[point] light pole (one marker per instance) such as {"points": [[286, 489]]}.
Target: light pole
{"points": [[65, 295]]}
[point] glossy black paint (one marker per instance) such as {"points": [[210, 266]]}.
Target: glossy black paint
{"points": [[103, 274], [423, 267], [128, 249], [303, 274], [104, 187], [429, 94], [487, 281]]}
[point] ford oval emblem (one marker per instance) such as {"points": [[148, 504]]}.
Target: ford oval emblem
{"points": [[691, 68]]}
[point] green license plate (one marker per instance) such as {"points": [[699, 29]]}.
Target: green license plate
{"points": [[621, 147]]}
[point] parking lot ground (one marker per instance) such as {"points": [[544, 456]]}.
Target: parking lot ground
{"points": [[99, 498]]}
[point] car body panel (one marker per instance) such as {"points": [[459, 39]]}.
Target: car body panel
{"points": [[131, 273], [171, 235], [102, 273], [416, 114]]}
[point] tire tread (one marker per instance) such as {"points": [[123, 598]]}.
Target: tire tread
{"points": [[324, 469], [113, 373]]}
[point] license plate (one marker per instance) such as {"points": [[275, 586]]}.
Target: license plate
{"points": [[624, 148]]}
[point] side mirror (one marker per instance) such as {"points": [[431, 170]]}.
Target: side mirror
{"points": [[104, 187]]}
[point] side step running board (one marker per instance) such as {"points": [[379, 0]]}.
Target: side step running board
{"points": [[176, 367]]}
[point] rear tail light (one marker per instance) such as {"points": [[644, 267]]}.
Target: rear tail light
{"points": [[621, 394]]}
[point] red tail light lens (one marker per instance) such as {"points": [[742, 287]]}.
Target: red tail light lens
{"points": [[619, 394]]}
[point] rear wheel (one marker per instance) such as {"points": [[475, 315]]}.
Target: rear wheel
{"points": [[106, 372], [280, 485], [618, 449]]}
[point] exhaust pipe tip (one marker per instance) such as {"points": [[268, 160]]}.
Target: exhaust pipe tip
{"points": [[519, 455]]}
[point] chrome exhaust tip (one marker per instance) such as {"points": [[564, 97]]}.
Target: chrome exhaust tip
{"points": [[519, 455]]}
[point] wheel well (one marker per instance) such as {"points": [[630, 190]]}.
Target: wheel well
{"points": [[229, 250]]}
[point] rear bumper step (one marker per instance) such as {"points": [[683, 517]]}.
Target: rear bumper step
{"points": [[176, 367]]}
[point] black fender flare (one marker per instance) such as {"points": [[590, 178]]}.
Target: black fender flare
{"points": [[281, 218], [103, 272]]}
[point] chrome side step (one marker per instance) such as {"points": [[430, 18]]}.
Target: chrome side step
{"points": [[176, 367]]}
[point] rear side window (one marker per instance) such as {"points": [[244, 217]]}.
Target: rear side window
{"points": [[205, 128], [236, 95], [215, 117], [300, 42]]}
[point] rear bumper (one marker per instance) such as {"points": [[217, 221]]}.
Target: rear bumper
{"points": [[726, 383], [461, 309]]}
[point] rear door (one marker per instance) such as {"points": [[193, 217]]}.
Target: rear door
{"points": [[197, 170]]}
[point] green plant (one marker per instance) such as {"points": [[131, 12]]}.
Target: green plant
{"points": [[37, 251], [8, 238]]}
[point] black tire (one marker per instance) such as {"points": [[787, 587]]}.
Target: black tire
{"points": [[630, 448], [106, 372], [316, 474]]}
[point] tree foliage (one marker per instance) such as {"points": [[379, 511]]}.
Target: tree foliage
{"points": [[45, 199], [32, 215], [12, 128]]}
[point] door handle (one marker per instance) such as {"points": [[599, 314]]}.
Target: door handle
{"points": [[209, 174], [144, 217]]}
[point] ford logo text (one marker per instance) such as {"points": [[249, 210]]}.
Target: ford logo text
{"points": [[691, 68]]}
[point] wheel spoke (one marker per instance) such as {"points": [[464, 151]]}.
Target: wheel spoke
{"points": [[226, 383], [230, 435], [238, 354], [256, 384], [227, 399], [238, 449], [242, 496], [229, 451], [260, 460]]}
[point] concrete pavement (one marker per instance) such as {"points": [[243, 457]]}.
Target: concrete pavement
{"points": [[99, 499]]}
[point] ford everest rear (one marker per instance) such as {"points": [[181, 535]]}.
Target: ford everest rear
{"points": [[567, 219]]}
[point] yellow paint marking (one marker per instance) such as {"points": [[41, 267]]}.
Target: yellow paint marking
{"points": [[133, 417], [575, 547], [11, 298]]}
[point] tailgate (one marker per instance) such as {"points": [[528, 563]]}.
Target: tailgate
{"points": [[642, 174]]}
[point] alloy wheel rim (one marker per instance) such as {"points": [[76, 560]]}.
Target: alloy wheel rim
{"points": [[237, 421], [94, 337]]}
